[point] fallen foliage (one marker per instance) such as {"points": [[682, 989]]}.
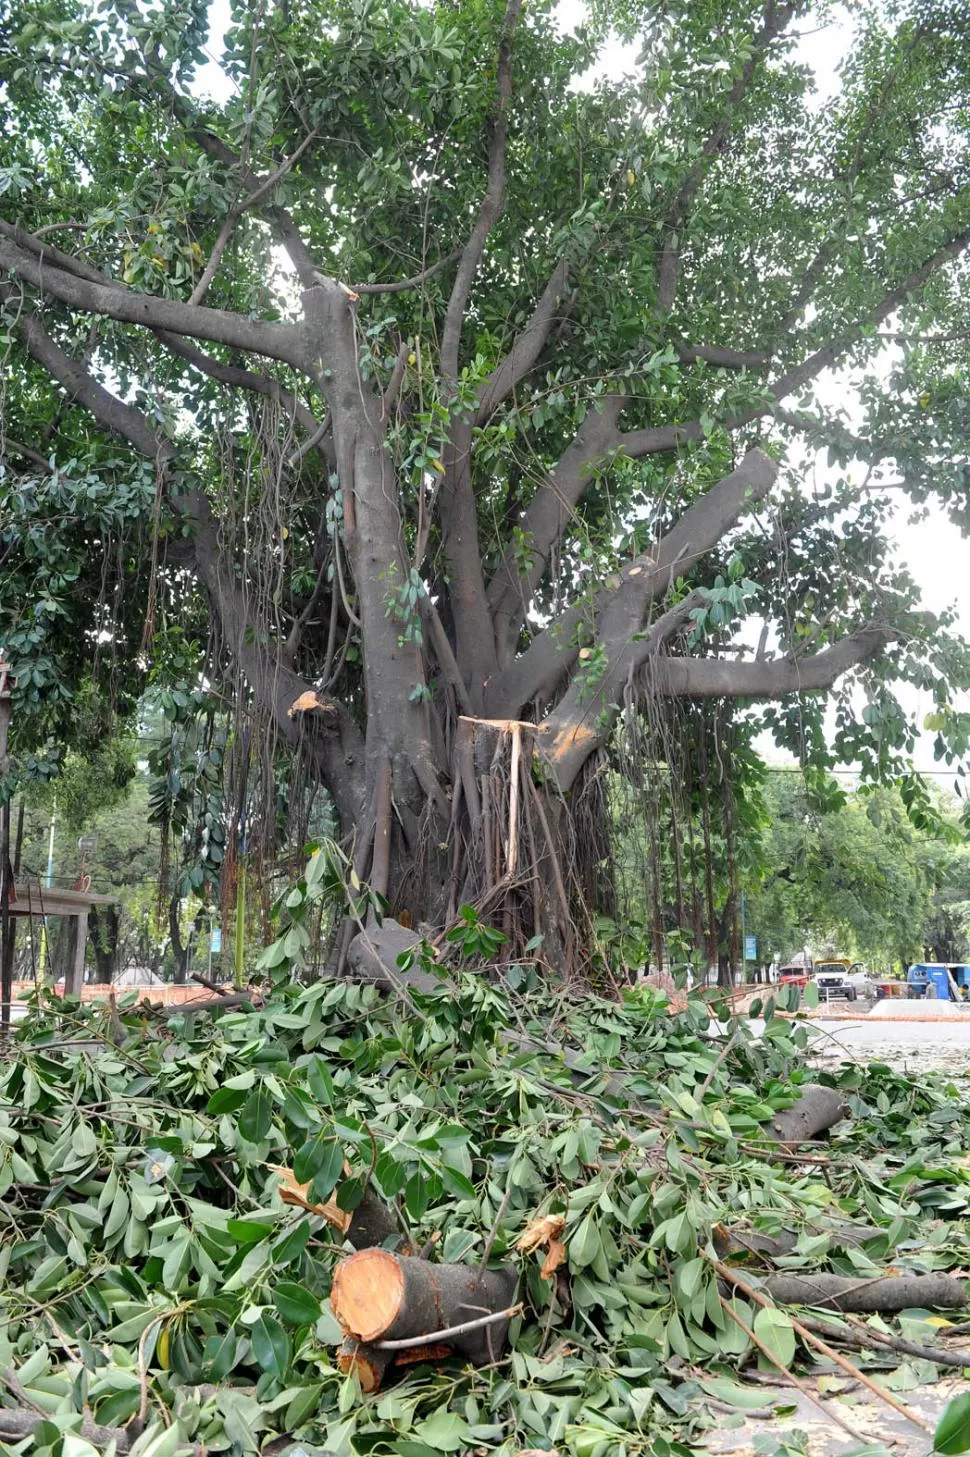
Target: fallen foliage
{"points": [[169, 1239]]}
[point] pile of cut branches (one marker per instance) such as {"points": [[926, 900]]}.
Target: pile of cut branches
{"points": [[460, 1215]]}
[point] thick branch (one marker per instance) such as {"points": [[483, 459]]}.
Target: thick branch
{"points": [[121, 419], [510, 592], [721, 678], [776, 18], [31, 243], [277, 341], [583, 719], [722, 358], [545, 518], [526, 347], [620, 608], [492, 203]]}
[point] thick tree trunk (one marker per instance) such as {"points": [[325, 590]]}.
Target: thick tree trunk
{"points": [[815, 1110], [104, 941], [180, 949]]}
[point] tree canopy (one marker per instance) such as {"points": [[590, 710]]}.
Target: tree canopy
{"points": [[422, 382], [857, 880]]}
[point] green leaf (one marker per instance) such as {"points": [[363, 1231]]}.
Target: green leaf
{"points": [[226, 1100], [256, 1116], [319, 1081], [302, 1406], [444, 1431], [296, 1304], [585, 1244], [249, 1231], [810, 994], [952, 1433], [456, 1183], [271, 1345], [314, 1154], [732, 1392], [774, 1328]]}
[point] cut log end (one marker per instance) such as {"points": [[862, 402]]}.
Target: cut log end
{"points": [[368, 1364], [368, 1292]]}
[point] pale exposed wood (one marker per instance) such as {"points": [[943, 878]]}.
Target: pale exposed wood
{"points": [[369, 1365], [367, 1294]]}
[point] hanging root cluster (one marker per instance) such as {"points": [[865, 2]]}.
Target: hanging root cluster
{"points": [[515, 854]]}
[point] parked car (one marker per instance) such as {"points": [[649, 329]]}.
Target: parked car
{"points": [[794, 975], [835, 981]]}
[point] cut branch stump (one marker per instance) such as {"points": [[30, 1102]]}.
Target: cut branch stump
{"points": [[378, 1296]]}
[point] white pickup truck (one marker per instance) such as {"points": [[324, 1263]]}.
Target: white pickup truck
{"points": [[835, 981]]}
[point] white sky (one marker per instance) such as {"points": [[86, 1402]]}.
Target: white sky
{"points": [[933, 550]]}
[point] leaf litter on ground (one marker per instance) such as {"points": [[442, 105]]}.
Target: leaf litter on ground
{"points": [[166, 1254]]}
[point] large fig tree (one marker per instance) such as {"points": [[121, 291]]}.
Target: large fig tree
{"points": [[443, 401]]}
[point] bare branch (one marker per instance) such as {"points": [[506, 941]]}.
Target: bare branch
{"points": [[584, 716], [545, 518], [776, 18], [254, 196], [277, 341], [526, 347], [121, 419], [721, 678], [722, 358], [492, 203], [396, 380], [10, 446], [403, 284]]}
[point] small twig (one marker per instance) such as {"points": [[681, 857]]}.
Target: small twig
{"points": [[430, 1337], [721, 1057], [803, 1386], [495, 1227], [19, 1391], [429, 1245], [143, 1362], [811, 1339], [865, 1338], [405, 283]]}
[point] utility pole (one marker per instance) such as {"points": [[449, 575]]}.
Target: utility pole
{"points": [[7, 684]]}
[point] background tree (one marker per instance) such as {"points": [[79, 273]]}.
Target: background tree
{"points": [[854, 877], [413, 387]]}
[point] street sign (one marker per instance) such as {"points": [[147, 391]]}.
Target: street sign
{"points": [[215, 940], [750, 948]]}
